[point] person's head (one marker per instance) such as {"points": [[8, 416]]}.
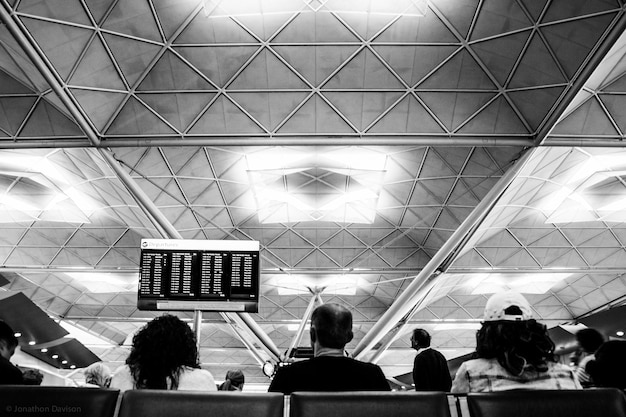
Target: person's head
{"points": [[510, 335], [98, 374], [608, 369], [589, 339], [160, 350], [233, 381], [8, 341], [331, 326], [420, 339], [32, 376]]}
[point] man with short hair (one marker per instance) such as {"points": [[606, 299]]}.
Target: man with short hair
{"points": [[329, 369], [9, 373], [430, 367]]}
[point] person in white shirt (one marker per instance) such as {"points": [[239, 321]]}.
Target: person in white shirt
{"points": [[164, 355], [513, 351]]}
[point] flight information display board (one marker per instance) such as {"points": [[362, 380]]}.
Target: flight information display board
{"points": [[205, 275]]}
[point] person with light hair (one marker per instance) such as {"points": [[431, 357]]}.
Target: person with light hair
{"points": [[97, 374], [513, 351]]}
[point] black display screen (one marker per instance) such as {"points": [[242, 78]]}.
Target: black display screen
{"points": [[197, 275]]}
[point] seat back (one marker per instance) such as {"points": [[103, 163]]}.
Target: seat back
{"points": [[369, 404], [605, 402], [38, 401], [156, 403]]}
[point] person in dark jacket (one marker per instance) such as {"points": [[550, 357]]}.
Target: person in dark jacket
{"points": [[9, 373], [430, 367], [608, 368], [329, 369]]}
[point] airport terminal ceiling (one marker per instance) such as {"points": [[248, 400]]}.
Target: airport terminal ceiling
{"points": [[406, 159]]}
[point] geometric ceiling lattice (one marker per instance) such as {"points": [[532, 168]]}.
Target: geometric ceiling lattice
{"points": [[351, 144]]}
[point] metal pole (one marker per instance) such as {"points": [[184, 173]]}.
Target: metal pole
{"points": [[197, 326], [398, 329], [302, 326], [245, 321], [415, 291], [254, 351]]}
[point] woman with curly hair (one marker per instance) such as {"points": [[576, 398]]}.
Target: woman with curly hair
{"points": [[513, 351], [163, 356]]}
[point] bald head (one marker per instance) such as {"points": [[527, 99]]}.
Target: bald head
{"points": [[331, 326]]}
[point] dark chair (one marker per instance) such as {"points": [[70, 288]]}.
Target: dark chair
{"points": [[38, 401], [369, 404], [601, 402], [156, 403]]}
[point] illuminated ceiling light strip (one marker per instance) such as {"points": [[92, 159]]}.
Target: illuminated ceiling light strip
{"points": [[341, 185], [228, 8]]}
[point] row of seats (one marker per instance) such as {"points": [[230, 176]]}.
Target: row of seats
{"points": [[32, 401]]}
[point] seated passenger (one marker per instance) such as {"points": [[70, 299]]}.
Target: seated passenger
{"points": [[513, 351], [588, 340], [97, 375], [9, 373], [32, 376], [234, 381], [163, 356], [608, 369], [329, 369]]}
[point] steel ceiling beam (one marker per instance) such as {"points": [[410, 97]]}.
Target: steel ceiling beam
{"points": [[161, 223], [323, 140], [570, 141], [58, 142], [579, 80]]}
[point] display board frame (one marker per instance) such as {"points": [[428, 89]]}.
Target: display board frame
{"points": [[199, 275]]}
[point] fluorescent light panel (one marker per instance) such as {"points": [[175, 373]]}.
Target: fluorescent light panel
{"points": [[295, 186], [491, 283], [241, 8], [99, 282], [594, 191], [332, 284], [34, 188], [84, 337]]}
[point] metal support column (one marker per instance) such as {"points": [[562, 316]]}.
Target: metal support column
{"points": [[401, 325], [251, 348], [307, 314], [197, 326], [416, 290], [245, 321]]}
